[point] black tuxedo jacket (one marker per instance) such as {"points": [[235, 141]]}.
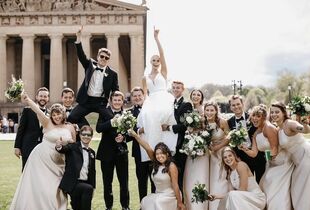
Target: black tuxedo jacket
{"points": [[29, 132], [259, 159], [73, 166], [107, 149], [180, 109], [110, 82], [136, 153]]}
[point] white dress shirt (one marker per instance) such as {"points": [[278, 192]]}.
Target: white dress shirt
{"points": [[95, 88]]}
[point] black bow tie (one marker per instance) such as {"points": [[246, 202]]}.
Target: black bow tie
{"points": [[99, 69], [239, 119], [43, 110], [68, 110], [175, 101], [118, 112], [87, 150], [138, 107]]}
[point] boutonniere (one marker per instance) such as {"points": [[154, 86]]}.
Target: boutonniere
{"points": [[92, 155], [176, 106], [248, 124], [105, 74]]}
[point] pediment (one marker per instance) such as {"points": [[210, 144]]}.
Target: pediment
{"points": [[16, 6]]}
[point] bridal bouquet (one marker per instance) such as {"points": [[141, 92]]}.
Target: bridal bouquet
{"points": [[300, 105], [191, 119], [196, 144], [125, 122], [15, 89], [238, 136], [200, 193]]}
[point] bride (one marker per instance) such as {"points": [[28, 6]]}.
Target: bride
{"points": [[158, 107], [38, 184]]}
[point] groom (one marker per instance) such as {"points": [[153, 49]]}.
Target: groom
{"points": [[100, 80], [180, 108]]}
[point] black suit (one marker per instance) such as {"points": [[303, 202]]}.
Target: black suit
{"points": [[180, 108], [143, 169], [110, 158], [88, 104], [81, 192], [257, 164], [29, 133]]}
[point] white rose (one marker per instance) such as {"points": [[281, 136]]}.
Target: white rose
{"points": [[205, 133], [237, 133], [193, 152], [196, 118], [200, 152], [189, 120], [199, 139], [307, 107]]}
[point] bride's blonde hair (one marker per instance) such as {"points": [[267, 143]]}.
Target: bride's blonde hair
{"points": [[58, 108]]}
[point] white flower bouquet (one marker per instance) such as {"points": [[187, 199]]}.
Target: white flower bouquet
{"points": [[15, 89], [196, 144], [238, 136], [200, 193], [191, 119], [300, 105], [125, 122]]}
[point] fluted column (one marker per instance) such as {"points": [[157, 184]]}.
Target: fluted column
{"points": [[28, 67], [56, 67], [137, 59], [3, 68], [112, 42], [85, 39]]}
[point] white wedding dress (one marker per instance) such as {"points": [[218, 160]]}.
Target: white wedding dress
{"points": [[157, 109], [252, 199], [38, 185]]}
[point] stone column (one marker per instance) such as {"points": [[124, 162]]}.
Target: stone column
{"points": [[112, 44], [28, 67], [38, 68], [56, 67], [85, 39], [3, 69], [137, 59]]}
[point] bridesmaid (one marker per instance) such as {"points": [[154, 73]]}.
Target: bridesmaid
{"points": [[218, 183], [275, 182], [196, 170], [244, 192], [197, 98], [165, 177], [291, 139]]}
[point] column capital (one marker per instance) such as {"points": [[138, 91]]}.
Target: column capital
{"points": [[112, 35], [135, 34], [3, 36], [27, 36], [56, 36]]}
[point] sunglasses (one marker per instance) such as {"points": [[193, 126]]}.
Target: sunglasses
{"points": [[104, 57], [155, 60], [86, 134]]}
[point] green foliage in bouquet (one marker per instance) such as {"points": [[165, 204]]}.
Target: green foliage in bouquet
{"points": [[196, 144], [238, 136], [191, 119], [125, 122], [15, 89], [300, 105], [200, 193]]}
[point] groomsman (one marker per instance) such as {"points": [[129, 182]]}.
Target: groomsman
{"points": [[257, 164], [180, 108], [29, 132], [100, 80], [110, 154], [143, 169], [79, 179]]}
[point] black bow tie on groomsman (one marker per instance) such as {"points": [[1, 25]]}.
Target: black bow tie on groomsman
{"points": [[117, 112], [99, 69], [239, 119]]}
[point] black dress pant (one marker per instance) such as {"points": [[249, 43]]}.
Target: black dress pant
{"points": [[180, 160], [81, 196], [143, 173], [120, 162]]}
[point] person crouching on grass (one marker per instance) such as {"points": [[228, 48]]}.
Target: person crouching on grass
{"points": [[79, 179]]}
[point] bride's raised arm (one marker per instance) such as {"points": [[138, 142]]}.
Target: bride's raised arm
{"points": [[41, 116], [163, 70]]}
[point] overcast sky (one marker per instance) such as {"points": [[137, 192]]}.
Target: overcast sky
{"points": [[217, 41]]}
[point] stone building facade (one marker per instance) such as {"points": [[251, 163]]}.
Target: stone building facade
{"points": [[37, 43]]}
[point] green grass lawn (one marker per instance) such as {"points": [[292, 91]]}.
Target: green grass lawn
{"points": [[10, 167]]}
